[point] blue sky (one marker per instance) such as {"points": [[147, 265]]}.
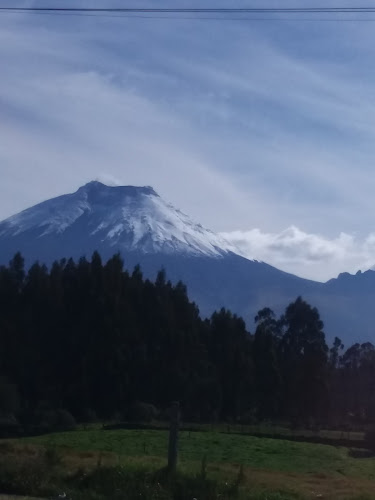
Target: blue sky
{"points": [[264, 131]]}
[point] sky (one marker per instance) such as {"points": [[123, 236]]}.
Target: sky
{"points": [[261, 130]]}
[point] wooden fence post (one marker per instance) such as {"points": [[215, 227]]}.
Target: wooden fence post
{"points": [[173, 437]]}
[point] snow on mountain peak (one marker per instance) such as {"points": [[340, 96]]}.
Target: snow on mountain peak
{"points": [[126, 218], [98, 189]]}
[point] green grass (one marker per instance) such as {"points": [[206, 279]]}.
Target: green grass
{"points": [[270, 429], [31, 470], [263, 429], [262, 453], [274, 469]]}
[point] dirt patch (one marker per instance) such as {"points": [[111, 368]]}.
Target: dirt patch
{"points": [[310, 485]]}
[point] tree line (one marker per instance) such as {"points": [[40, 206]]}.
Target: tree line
{"points": [[93, 338]]}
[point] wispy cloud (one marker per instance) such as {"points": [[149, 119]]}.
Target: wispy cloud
{"points": [[242, 125]]}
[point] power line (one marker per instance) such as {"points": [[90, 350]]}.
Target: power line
{"points": [[196, 18], [271, 10], [202, 14]]}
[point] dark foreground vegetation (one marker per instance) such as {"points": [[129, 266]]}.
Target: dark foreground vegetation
{"points": [[87, 340], [127, 464], [46, 477]]}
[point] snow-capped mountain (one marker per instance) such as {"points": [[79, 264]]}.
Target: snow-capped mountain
{"points": [[146, 230], [126, 218]]}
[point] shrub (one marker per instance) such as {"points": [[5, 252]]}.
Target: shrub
{"points": [[9, 396], [26, 479], [52, 457], [370, 439], [141, 412], [57, 420], [88, 416], [9, 425], [248, 418], [118, 483]]}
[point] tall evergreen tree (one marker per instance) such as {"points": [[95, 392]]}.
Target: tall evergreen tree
{"points": [[90, 336], [266, 362], [304, 358]]}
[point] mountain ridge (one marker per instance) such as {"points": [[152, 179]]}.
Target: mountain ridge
{"points": [[129, 217], [146, 230]]}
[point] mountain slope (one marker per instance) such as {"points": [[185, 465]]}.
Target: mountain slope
{"points": [[145, 229], [123, 218]]}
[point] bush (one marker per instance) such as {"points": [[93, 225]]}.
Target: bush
{"points": [[57, 420], [370, 439], [118, 483], [9, 397], [141, 412], [248, 418], [9, 425], [88, 416], [52, 457], [26, 479]]}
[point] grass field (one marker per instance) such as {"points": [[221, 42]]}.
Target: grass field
{"points": [[273, 454], [271, 466], [280, 430], [268, 429]]}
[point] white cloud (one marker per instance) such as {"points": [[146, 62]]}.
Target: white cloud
{"points": [[310, 256], [255, 125]]}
